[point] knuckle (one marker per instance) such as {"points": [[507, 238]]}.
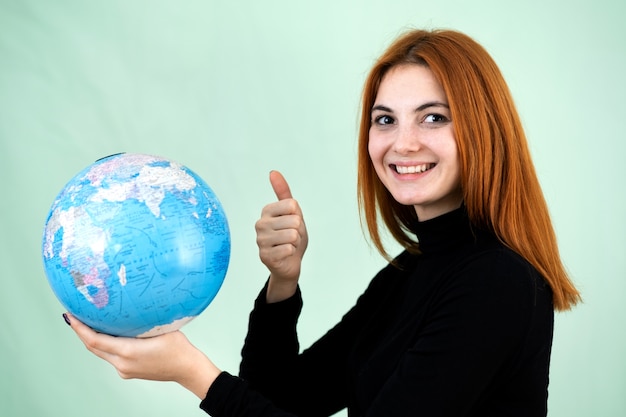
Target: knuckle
{"points": [[91, 343], [298, 222], [287, 250], [266, 209], [260, 223], [292, 235], [263, 253], [292, 205]]}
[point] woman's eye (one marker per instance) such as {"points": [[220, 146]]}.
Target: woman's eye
{"points": [[383, 120], [435, 118]]}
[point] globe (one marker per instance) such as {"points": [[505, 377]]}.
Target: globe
{"points": [[136, 245]]}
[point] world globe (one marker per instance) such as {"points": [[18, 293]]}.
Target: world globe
{"points": [[136, 245]]}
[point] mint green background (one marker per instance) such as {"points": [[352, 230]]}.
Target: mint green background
{"points": [[234, 89]]}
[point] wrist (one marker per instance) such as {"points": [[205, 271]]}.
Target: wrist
{"points": [[200, 376], [278, 290]]}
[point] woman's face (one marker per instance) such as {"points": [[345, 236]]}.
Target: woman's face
{"points": [[411, 142]]}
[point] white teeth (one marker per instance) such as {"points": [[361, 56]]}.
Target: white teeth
{"points": [[413, 169]]}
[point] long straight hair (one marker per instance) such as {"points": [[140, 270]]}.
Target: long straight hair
{"points": [[501, 191]]}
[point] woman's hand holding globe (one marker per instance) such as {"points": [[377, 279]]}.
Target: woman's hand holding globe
{"points": [[168, 357]]}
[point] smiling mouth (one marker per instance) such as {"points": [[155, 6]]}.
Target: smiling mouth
{"points": [[413, 169]]}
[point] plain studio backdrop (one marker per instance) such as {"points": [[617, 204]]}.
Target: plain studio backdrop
{"points": [[235, 89]]}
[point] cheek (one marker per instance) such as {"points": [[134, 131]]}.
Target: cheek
{"points": [[377, 155], [447, 146], [375, 150], [455, 159]]}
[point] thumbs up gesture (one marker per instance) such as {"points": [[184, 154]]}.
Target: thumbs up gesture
{"points": [[282, 240]]}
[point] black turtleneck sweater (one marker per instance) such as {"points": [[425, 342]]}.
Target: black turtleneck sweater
{"points": [[462, 329]]}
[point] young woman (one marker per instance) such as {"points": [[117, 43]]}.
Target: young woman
{"points": [[460, 323]]}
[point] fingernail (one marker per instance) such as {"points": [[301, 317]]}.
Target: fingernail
{"points": [[105, 157], [67, 319]]}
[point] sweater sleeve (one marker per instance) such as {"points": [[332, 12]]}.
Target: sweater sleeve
{"points": [[232, 396], [271, 327], [313, 382], [275, 377]]}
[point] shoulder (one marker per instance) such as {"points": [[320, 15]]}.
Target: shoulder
{"points": [[399, 267], [497, 276], [496, 262], [390, 279]]}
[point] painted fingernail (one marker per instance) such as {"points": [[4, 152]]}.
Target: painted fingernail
{"points": [[67, 319], [105, 157]]}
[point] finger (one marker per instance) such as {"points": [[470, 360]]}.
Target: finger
{"points": [[83, 331], [101, 344], [276, 255], [279, 185], [279, 237], [280, 208], [278, 219]]}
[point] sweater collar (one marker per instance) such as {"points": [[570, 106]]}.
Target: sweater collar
{"points": [[444, 233]]}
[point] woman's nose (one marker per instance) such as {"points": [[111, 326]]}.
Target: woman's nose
{"points": [[407, 140]]}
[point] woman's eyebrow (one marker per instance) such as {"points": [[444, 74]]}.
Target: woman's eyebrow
{"points": [[432, 104], [381, 108], [421, 107]]}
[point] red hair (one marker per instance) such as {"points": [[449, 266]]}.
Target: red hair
{"points": [[500, 187]]}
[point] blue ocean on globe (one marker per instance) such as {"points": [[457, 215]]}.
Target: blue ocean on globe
{"points": [[136, 245]]}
